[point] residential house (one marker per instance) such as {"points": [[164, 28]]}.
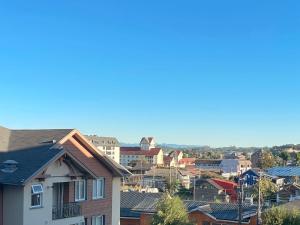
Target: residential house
{"points": [[252, 176], [146, 151], [186, 162], [177, 155], [209, 190], [109, 145], [234, 167], [288, 193], [208, 164], [56, 177], [290, 173], [169, 161], [229, 187], [139, 208], [147, 143]]}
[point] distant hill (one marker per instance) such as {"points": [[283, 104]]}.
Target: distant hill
{"points": [[163, 145]]}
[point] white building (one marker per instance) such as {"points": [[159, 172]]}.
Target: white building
{"points": [[146, 151], [109, 145]]}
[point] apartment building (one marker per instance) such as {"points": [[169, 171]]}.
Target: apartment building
{"points": [[109, 145], [146, 151], [56, 177]]}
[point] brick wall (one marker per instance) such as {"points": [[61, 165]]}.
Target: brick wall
{"points": [[130, 221], [91, 207], [199, 217]]}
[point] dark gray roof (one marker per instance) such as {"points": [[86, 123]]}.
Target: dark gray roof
{"points": [[29, 162], [135, 203], [103, 141], [228, 211], [22, 139], [31, 149]]}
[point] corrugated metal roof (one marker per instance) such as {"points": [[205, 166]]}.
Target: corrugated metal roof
{"points": [[287, 171]]}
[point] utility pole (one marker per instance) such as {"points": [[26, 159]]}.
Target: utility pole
{"points": [[241, 195], [259, 202], [194, 192]]}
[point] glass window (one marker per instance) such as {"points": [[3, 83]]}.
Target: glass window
{"points": [[80, 190], [98, 220], [98, 188], [36, 195]]}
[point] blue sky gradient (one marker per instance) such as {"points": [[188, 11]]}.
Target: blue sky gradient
{"points": [[189, 72]]}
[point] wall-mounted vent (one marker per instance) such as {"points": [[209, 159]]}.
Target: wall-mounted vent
{"points": [[9, 166]]}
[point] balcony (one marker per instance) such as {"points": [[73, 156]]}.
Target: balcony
{"points": [[66, 211]]}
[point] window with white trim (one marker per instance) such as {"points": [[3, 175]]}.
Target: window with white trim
{"points": [[98, 188], [36, 195], [98, 220], [80, 190]]}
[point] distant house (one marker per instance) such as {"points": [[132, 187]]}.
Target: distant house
{"points": [[177, 155], [146, 151], [169, 161], [290, 173], [252, 176], [139, 208], [55, 176], [234, 167], [229, 187], [289, 193], [109, 145], [147, 143], [208, 164], [186, 162], [209, 190]]}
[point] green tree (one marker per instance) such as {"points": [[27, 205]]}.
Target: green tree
{"points": [[280, 216], [273, 216], [267, 188], [267, 160], [285, 156], [298, 159], [170, 211]]}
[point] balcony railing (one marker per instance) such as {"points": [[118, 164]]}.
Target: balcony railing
{"points": [[66, 211]]}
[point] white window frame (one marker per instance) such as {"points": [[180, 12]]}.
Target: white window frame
{"points": [[78, 190], [40, 192], [98, 191], [100, 222]]}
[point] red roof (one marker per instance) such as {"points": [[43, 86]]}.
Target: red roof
{"points": [[167, 159], [229, 187], [187, 161], [138, 151], [152, 152], [131, 151]]}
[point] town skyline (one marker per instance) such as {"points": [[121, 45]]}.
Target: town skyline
{"points": [[219, 74]]}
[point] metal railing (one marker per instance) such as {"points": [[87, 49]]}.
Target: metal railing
{"points": [[66, 211]]}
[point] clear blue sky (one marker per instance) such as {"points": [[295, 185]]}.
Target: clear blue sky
{"points": [[188, 72]]}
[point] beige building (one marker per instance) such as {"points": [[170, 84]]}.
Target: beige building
{"points": [[109, 145], [146, 151]]}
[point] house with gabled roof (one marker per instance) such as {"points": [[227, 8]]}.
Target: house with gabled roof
{"points": [[56, 176], [139, 208]]}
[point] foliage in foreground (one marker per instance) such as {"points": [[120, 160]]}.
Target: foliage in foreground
{"points": [[267, 188], [281, 216], [171, 211]]}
